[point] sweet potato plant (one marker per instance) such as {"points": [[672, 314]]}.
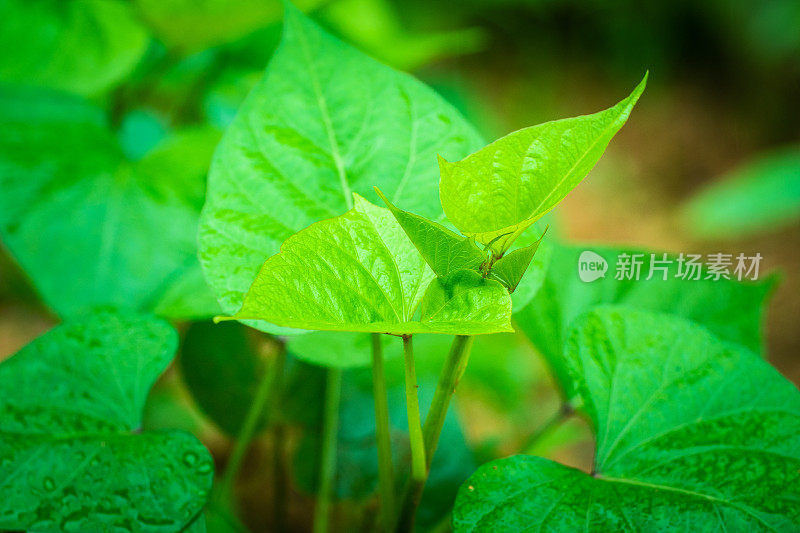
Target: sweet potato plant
{"points": [[352, 219]]}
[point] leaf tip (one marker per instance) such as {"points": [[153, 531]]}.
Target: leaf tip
{"points": [[382, 196]]}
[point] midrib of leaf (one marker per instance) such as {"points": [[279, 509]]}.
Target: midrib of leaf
{"points": [[681, 427], [326, 119], [685, 492], [412, 146], [575, 165]]}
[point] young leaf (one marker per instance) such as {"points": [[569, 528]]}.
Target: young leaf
{"points": [[503, 188], [325, 121], [510, 268], [71, 457], [732, 310], [360, 272], [761, 196], [89, 226], [445, 251], [691, 431], [83, 46]]}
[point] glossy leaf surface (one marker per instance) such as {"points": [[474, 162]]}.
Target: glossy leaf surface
{"points": [[324, 122], [497, 192], [445, 251], [91, 227], [511, 268], [691, 433], [732, 310], [82, 46], [70, 455], [360, 272]]}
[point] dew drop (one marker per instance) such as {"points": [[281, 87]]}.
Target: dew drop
{"points": [[49, 484], [204, 468], [190, 458]]}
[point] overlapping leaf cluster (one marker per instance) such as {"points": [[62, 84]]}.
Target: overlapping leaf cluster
{"points": [[692, 425]]}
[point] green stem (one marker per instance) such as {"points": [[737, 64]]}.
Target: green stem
{"points": [[333, 390], [453, 369], [383, 437], [451, 374], [252, 418], [419, 468]]}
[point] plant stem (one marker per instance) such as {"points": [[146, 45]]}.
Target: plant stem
{"points": [[451, 374], [419, 466], [252, 418], [385, 468], [330, 431], [453, 369]]}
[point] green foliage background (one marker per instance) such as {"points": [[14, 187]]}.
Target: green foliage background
{"points": [[110, 113]]}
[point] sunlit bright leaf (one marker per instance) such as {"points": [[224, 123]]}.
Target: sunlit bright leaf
{"points": [[360, 272], [325, 121], [503, 188]]}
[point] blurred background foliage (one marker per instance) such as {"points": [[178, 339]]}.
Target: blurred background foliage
{"points": [[709, 162]]}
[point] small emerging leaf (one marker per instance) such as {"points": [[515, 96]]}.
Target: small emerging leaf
{"points": [[692, 433], [71, 455], [445, 251], [500, 190], [360, 272], [510, 268]]}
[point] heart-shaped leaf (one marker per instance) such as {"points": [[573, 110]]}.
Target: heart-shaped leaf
{"points": [[732, 310], [82, 46], [360, 272], [91, 227], [692, 433], [71, 457], [445, 251], [325, 121], [503, 188]]}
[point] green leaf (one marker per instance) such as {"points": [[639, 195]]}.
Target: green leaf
{"points": [[71, 456], [445, 251], [324, 122], [732, 310], [534, 276], [360, 272], [192, 25], [377, 27], [222, 368], [89, 226], [762, 195], [510, 268], [464, 303], [692, 433], [503, 188], [82, 46], [340, 349]]}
